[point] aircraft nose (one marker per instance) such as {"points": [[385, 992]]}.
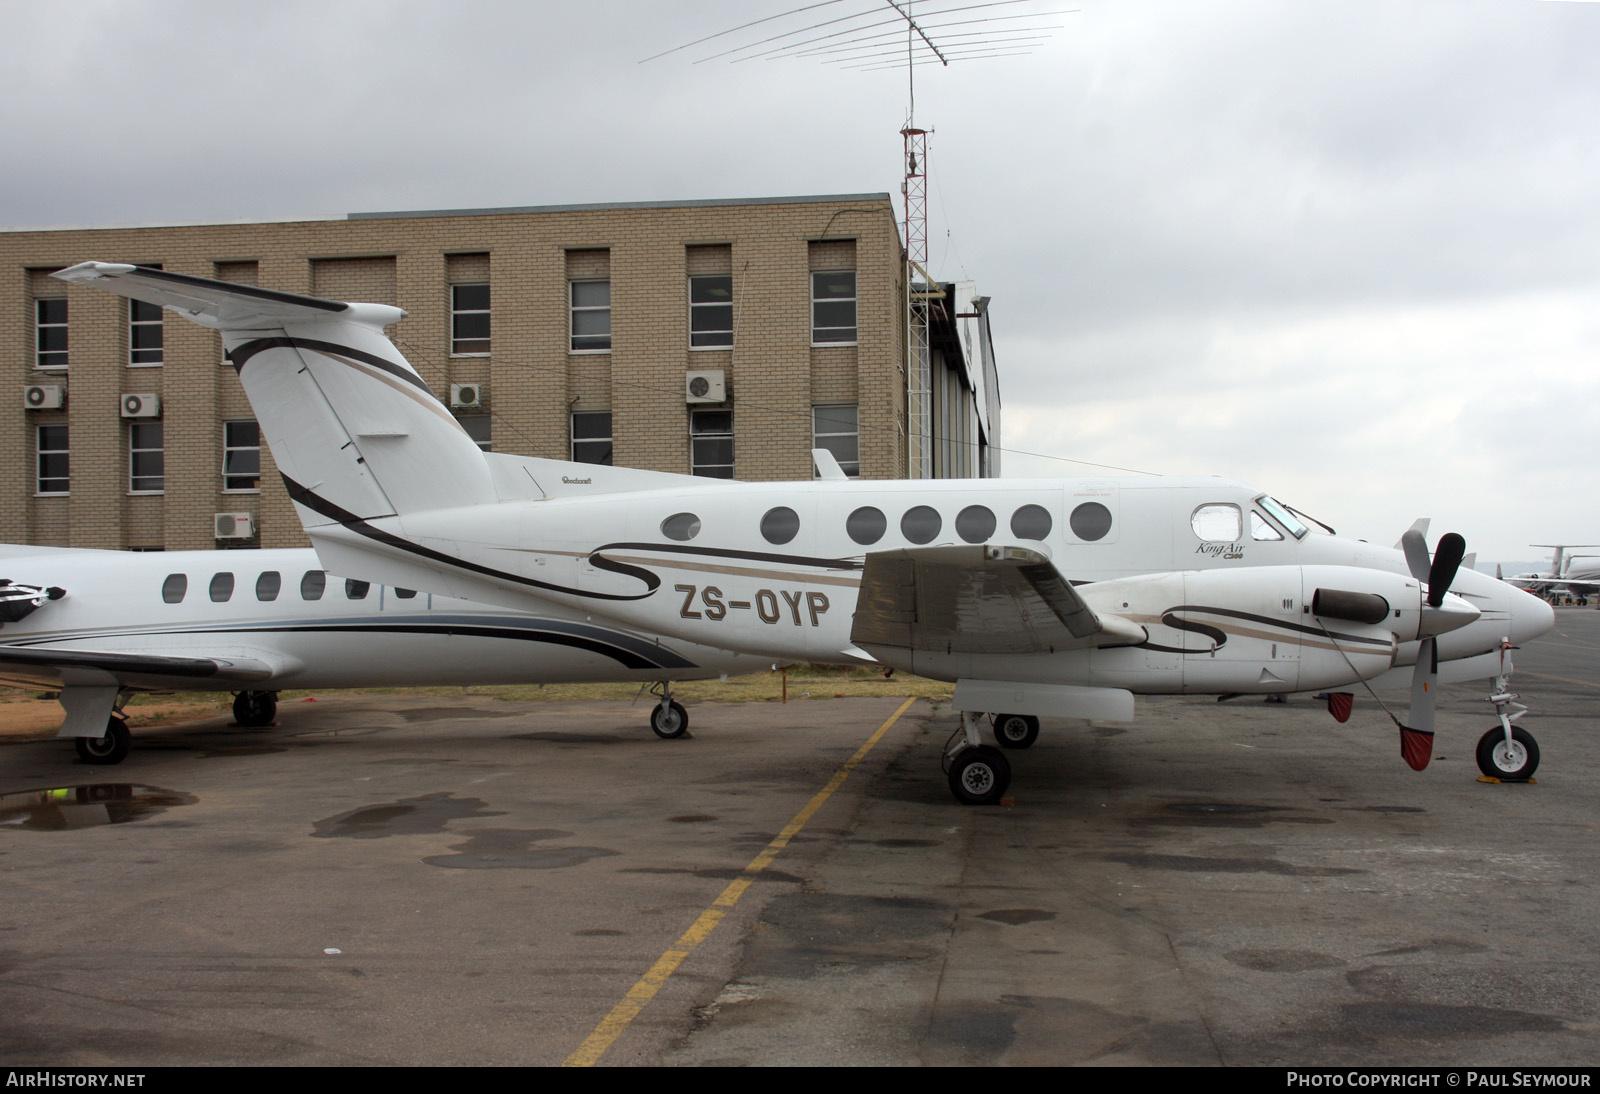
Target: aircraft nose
{"points": [[1530, 616]]}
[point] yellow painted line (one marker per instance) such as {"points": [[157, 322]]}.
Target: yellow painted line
{"points": [[1563, 679], [612, 1025]]}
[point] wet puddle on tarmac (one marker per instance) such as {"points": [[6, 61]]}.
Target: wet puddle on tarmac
{"points": [[66, 807]]}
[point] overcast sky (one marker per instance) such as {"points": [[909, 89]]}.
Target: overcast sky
{"points": [[1345, 251]]}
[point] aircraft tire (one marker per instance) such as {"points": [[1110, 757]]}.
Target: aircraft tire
{"points": [[669, 722], [111, 749], [1016, 730], [980, 776], [253, 709], [1513, 763]]}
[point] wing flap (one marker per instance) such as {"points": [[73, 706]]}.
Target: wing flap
{"points": [[992, 599]]}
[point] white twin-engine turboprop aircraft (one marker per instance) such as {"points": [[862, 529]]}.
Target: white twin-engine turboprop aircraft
{"points": [[1059, 598], [98, 625]]}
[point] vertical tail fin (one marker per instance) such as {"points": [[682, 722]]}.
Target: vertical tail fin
{"points": [[351, 424]]}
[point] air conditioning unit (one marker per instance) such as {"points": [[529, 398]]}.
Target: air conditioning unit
{"points": [[466, 395], [143, 404], [706, 385], [234, 526], [44, 397]]}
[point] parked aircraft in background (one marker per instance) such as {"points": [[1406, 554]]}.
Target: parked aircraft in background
{"points": [[98, 625], [1061, 598], [1566, 574]]}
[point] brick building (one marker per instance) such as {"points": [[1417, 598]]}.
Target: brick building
{"points": [[715, 337]]}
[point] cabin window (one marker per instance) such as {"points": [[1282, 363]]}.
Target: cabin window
{"points": [[268, 584], [866, 525], [1261, 530], [780, 525], [405, 594], [975, 524], [222, 587], [681, 526], [174, 588], [356, 590], [1031, 522], [1220, 523], [921, 524], [1090, 521], [312, 584]]}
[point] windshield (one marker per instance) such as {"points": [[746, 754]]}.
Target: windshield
{"points": [[1280, 513]]}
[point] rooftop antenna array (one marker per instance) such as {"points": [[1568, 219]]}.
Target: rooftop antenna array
{"points": [[865, 35]]}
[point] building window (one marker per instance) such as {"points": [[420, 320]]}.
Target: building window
{"points": [[53, 459], [146, 458], [478, 428], [144, 334], [50, 338], [469, 320], [835, 428], [711, 443], [711, 312], [241, 457], [833, 308], [591, 436], [591, 316]]}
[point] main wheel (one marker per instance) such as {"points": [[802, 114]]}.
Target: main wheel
{"points": [[980, 776], [1515, 761], [1016, 730], [110, 749], [669, 721], [253, 709]]}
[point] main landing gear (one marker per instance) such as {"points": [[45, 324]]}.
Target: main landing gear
{"points": [[1016, 730], [668, 719], [110, 749], [254, 709], [979, 774], [1507, 752]]}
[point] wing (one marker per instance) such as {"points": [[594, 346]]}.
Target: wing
{"points": [[977, 599], [32, 666]]}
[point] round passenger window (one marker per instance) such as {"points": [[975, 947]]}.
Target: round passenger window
{"points": [[312, 583], [866, 525], [975, 523], [780, 525], [268, 584], [1090, 521], [681, 526], [174, 587], [921, 523], [221, 587], [1031, 522]]}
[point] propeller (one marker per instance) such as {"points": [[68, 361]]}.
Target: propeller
{"points": [[1416, 738]]}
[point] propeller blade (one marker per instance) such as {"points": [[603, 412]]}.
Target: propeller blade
{"points": [[1446, 561], [1416, 549], [1416, 738]]}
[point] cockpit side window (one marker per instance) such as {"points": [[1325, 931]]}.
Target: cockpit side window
{"points": [[1261, 529], [1217, 523], [1280, 513]]}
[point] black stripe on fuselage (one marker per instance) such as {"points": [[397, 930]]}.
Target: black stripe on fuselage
{"points": [[359, 525], [723, 552], [1220, 637]]}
